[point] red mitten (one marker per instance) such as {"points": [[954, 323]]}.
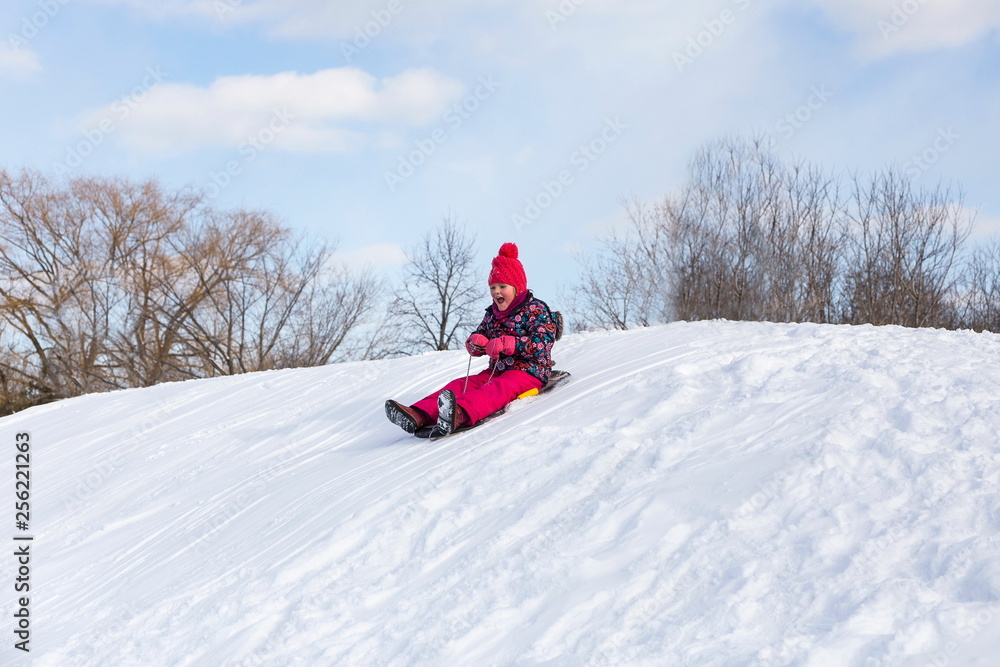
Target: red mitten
{"points": [[476, 345], [504, 345]]}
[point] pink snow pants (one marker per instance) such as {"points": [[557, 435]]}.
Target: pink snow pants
{"points": [[483, 398]]}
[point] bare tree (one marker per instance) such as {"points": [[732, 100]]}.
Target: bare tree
{"points": [[327, 323], [258, 297], [747, 237], [384, 333], [978, 299], [750, 237], [133, 225], [108, 284], [238, 265], [754, 238], [623, 284], [905, 244], [56, 304], [439, 291]]}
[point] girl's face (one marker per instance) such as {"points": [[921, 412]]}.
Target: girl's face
{"points": [[502, 295]]}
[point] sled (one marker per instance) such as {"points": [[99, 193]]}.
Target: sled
{"points": [[557, 378]]}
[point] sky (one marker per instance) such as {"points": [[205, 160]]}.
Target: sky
{"points": [[531, 121]]}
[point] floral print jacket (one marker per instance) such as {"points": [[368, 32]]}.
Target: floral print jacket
{"points": [[534, 330]]}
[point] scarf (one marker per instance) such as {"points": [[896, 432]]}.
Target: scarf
{"points": [[501, 315]]}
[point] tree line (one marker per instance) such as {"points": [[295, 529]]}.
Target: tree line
{"points": [[752, 237], [110, 284]]}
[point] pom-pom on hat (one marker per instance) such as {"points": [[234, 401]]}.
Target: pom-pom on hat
{"points": [[507, 269]]}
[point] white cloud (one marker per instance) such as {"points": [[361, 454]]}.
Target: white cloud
{"points": [[625, 27], [631, 27], [886, 27], [18, 63], [986, 227], [319, 112], [297, 18]]}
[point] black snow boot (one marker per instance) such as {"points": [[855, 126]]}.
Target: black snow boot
{"points": [[447, 413], [407, 418]]}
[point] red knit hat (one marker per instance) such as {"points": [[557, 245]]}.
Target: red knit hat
{"points": [[508, 270]]}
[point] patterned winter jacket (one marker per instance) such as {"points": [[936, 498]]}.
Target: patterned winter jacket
{"points": [[534, 330]]}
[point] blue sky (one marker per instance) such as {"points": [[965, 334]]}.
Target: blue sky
{"points": [[366, 122]]}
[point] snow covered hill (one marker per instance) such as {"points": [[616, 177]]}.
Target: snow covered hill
{"points": [[698, 494]]}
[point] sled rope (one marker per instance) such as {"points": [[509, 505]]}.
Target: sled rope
{"points": [[468, 371]]}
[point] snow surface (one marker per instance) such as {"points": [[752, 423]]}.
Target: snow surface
{"points": [[709, 493]]}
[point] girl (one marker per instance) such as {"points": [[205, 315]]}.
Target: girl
{"points": [[517, 334]]}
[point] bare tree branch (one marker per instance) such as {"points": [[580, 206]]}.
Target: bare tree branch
{"points": [[439, 291]]}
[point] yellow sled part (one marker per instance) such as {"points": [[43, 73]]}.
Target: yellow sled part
{"points": [[554, 379]]}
